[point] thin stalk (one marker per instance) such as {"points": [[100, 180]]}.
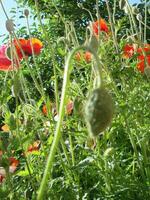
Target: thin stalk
{"points": [[114, 11], [112, 27], [145, 21], [33, 54], [53, 57], [4, 9], [71, 149], [65, 151]]}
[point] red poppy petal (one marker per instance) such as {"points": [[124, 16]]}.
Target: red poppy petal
{"points": [[100, 23], [37, 46], [87, 56]]}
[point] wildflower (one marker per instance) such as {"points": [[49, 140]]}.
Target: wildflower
{"points": [[34, 147], [52, 107], [44, 109], [78, 56], [143, 58], [87, 56], [36, 44], [13, 163], [128, 51], [19, 46], [26, 46], [99, 25], [5, 128], [5, 62], [69, 107]]}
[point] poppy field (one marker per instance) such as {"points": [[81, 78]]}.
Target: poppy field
{"points": [[75, 102]]}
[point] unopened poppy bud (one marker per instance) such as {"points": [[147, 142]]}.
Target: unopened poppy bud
{"points": [[139, 17], [98, 111], [9, 25], [122, 4], [135, 10], [26, 12]]}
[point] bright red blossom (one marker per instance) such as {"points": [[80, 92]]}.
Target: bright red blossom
{"points": [[99, 25], [13, 163], [88, 56], [128, 51], [5, 62], [144, 60], [20, 45], [34, 147]]}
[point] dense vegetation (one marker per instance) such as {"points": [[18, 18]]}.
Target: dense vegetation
{"points": [[50, 143]]}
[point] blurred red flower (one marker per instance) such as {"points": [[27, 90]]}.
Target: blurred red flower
{"points": [[69, 107], [34, 147], [88, 56], [13, 163], [5, 62], [99, 25], [21, 45], [78, 56], [128, 51], [143, 57], [36, 44]]}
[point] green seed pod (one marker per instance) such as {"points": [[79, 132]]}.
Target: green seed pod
{"points": [[10, 25], [98, 111]]}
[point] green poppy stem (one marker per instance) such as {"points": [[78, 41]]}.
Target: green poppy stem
{"points": [[57, 135]]}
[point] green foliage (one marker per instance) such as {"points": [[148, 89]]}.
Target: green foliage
{"points": [[112, 166]]}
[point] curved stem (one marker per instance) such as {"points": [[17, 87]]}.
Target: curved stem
{"points": [[57, 135]]}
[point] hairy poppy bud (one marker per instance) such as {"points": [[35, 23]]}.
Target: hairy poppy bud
{"points": [[139, 17], [9, 25], [135, 10], [98, 111], [26, 12]]}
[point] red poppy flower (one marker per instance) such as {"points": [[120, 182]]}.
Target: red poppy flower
{"points": [[78, 56], [5, 62], [143, 59], [34, 147], [128, 51], [100, 25], [69, 107], [36, 44], [142, 64], [27, 45], [87, 56], [13, 163]]}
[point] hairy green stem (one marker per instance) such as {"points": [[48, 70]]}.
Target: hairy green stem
{"points": [[112, 27], [57, 135]]}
